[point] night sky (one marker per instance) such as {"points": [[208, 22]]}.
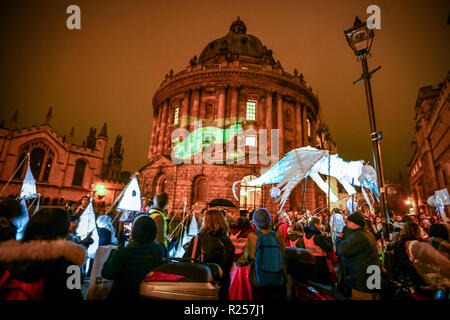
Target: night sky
{"points": [[109, 70]]}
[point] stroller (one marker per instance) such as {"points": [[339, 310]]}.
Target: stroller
{"points": [[182, 279]]}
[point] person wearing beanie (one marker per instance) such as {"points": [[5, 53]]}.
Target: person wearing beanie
{"points": [[358, 251], [262, 219], [129, 266]]}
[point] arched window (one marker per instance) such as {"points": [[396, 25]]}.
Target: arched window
{"points": [[200, 190], [48, 167], [37, 161], [20, 172], [78, 175], [250, 197]]}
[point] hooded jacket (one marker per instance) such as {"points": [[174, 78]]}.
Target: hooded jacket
{"points": [[47, 260]]}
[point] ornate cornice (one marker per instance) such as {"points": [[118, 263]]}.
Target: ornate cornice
{"points": [[234, 77]]}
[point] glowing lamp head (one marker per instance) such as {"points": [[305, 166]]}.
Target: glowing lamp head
{"points": [[359, 37], [100, 189]]}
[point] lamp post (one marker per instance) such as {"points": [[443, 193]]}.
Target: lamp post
{"points": [[360, 38]]}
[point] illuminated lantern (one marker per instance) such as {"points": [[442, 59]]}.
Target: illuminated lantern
{"points": [[100, 189], [360, 37]]}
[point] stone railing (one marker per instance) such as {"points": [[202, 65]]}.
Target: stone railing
{"points": [[251, 67]]}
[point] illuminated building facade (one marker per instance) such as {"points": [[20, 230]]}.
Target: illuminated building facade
{"points": [[235, 84], [63, 171], [429, 167]]}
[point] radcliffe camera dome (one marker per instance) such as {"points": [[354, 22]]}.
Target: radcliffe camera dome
{"points": [[236, 42]]}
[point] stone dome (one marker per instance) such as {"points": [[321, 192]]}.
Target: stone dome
{"points": [[236, 42]]}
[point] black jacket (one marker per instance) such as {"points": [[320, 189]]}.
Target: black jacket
{"points": [[320, 273], [33, 260], [357, 251], [129, 266], [319, 240], [216, 249]]}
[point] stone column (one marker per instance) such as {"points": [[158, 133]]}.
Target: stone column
{"points": [[195, 107], [234, 103], [269, 95], [157, 126], [162, 131], [314, 131], [184, 114], [298, 125], [304, 125], [260, 116], [221, 107], [152, 134], [280, 123]]}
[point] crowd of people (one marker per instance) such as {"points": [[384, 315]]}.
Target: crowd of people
{"points": [[250, 246]]}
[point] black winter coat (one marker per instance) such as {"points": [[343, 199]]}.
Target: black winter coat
{"points": [[129, 266], [357, 251], [33, 260]]}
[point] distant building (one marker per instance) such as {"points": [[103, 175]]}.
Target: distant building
{"points": [[63, 170], [429, 167], [235, 82]]}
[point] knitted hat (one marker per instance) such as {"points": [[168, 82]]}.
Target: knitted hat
{"points": [[144, 229], [262, 218], [357, 218]]}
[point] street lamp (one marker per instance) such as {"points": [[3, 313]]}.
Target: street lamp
{"points": [[360, 38]]}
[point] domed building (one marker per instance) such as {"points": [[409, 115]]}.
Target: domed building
{"points": [[235, 87]]}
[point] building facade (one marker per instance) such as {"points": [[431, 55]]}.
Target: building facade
{"points": [[234, 84], [62, 170], [429, 167]]}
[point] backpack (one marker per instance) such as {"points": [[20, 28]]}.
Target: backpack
{"points": [[210, 250], [12, 289], [268, 261]]}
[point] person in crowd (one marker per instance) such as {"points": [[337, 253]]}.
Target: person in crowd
{"points": [[239, 284], [72, 236], [106, 232], [239, 237], [439, 239], [365, 210], [212, 245], [71, 207], [359, 249], [128, 266], [262, 220], [410, 248], [159, 213], [319, 245], [295, 233], [9, 210], [398, 226], [283, 225], [38, 264], [84, 204]]}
